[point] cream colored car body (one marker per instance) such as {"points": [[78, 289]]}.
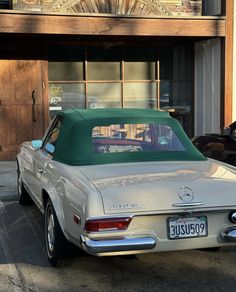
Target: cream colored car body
{"points": [[148, 192]]}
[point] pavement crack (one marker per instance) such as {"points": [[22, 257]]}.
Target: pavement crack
{"points": [[22, 287]]}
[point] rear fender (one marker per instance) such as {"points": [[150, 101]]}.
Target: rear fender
{"points": [[19, 161], [56, 195]]}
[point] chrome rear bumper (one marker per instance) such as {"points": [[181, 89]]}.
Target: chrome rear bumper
{"points": [[229, 234], [116, 245]]}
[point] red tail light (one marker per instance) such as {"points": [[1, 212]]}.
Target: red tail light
{"points": [[107, 224]]}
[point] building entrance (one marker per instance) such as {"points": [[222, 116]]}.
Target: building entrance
{"points": [[21, 105]]}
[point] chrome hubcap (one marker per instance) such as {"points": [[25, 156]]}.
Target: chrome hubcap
{"points": [[50, 231], [19, 184]]}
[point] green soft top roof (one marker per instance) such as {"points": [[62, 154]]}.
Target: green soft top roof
{"points": [[74, 143]]}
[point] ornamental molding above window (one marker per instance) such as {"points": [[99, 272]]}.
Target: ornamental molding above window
{"points": [[120, 7]]}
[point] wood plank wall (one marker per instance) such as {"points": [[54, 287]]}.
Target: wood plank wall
{"points": [[110, 26]]}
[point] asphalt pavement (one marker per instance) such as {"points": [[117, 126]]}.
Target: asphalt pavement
{"points": [[8, 176]]}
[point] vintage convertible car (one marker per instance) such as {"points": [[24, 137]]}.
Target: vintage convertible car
{"points": [[219, 146], [126, 181]]}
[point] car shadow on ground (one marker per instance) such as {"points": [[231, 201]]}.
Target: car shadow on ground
{"points": [[22, 236], [22, 244]]}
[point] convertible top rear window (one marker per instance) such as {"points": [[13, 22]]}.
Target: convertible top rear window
{"points": [[119, 138], [97, 136]]}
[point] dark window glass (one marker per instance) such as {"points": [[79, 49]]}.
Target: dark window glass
{"points": [[165, 56], [176, 94], [139, 71], [104, 54], [103, 63], [139, 54], [140, 95], [102, 95], [183, 64], [5, 4], [104, 71], [69, 54], [50, 141], [65, 71]]}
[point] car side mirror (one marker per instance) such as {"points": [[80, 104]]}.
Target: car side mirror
{"points": [[37, 144], [226, 131]]}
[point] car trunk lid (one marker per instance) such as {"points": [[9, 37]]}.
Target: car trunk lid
{"points": [[163, 186]]}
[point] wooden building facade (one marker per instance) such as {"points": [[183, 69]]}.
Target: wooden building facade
{"points": [[168, 55]]}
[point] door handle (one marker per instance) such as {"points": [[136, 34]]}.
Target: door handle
{"points": [[34, 96], [40, 170]]}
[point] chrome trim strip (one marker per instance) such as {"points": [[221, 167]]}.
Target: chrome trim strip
{"points": [[211, 209], [192, 210], [112, 216], [116, 245], [190, 204]]}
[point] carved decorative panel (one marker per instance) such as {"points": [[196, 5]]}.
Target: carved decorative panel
{"points": [[120, 7]]}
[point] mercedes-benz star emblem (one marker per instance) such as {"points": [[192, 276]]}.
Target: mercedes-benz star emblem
{"points": [[186, 194]]}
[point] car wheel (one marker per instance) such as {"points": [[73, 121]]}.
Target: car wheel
{"points": [[231, 160], [23, 196], [213, 249], [55, 240]]}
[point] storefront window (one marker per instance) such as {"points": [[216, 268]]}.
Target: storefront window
{"points": [[139, 70], [102, 95], [104, 70], [140, 95], [67, 71], [65, 96], [156, 78], [177, 95]]}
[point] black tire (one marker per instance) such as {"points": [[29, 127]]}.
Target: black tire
{"points": [[231, 160], [211, 249], [56, 243], [23, 196]]}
